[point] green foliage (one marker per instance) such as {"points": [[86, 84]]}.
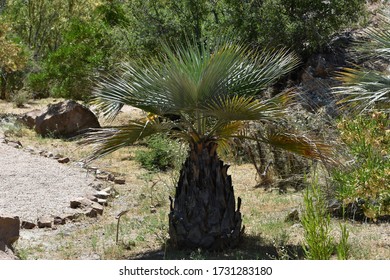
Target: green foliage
{"points": [[316, 224], [363, 89], [365, 182], [162, 154], [13, 60], [302, 25], [21, 98], [343, 248], [67, 71]]}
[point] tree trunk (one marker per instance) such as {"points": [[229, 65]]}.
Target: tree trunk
{"points": [[3, 85], [203, 214]]}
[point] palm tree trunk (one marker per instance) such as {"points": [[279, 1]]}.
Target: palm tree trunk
{"points": [[203, 214]]}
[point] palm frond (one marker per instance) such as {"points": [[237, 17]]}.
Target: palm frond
{"points": [[377, 43], [301, 145], [108, 140], [363, 89], [184, 79], [234, 108]]}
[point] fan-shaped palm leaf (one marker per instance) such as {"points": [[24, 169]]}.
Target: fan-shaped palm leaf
{"points": [[364, 89], [199, 86]]}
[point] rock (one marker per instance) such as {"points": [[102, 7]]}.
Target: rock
{"points": [[101, 177], [85, 203], [29, 118], [28, 225], [107, 190], [102, 201], [59, 156], [59, 220], [9, 230], [63, 160], [45, 222], [102, 194], [6, 253], [96, 186], [65, 119], [70, 216], [30, 150], [15, 144], [92, 198], [119, 181], [111, 177], [293, 216], [91, 212]]}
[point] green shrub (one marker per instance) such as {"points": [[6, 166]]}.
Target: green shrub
{"points": [[21, 97], [302, 25], [162, 154], [67, 71], [363, 185], [316, 224]]}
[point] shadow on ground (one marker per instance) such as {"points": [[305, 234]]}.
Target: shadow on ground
{"points": [[251, 248]]}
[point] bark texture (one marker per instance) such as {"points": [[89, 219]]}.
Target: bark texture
{"points": [[203, 214]]}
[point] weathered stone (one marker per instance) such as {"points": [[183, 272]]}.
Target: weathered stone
{"points": [[63, 160], [28, 225], [65, 119], [70, 216], [9, 230], [85, 203], [99, 208], [111, 177], [101, 194], [92, 198], [101, 177], [45, 222], [102, 201], [119, 181], [96, 186], [59, 220], [15, 144], [29, 118], [6, 253], [107, 190], [91, 212]]}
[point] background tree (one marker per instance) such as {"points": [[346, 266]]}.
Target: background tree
{"points": [[12, 60]]}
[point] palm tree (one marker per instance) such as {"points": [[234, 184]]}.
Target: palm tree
{"points": [[364, 89], [203, 98]]}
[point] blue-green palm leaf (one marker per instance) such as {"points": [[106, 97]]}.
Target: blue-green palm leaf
{"points": [[211, 93], [365, 89]]}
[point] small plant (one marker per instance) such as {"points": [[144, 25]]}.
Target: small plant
{"points": [[21, 98], [162, 154], [343, 248], [363, 186], [316, 223]]}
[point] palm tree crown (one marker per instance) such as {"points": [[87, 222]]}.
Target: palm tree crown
{"points": [[210, 92]]}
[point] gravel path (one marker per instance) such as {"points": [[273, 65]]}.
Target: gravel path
{"points": [[32, 186]]}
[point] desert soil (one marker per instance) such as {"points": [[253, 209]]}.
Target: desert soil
{"points": [[32, 186]]}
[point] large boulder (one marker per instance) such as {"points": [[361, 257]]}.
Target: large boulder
{"points": [[29, 118], [65, 119], [9, 231]]}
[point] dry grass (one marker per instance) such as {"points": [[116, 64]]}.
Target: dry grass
{"points": [[143, 230]]}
